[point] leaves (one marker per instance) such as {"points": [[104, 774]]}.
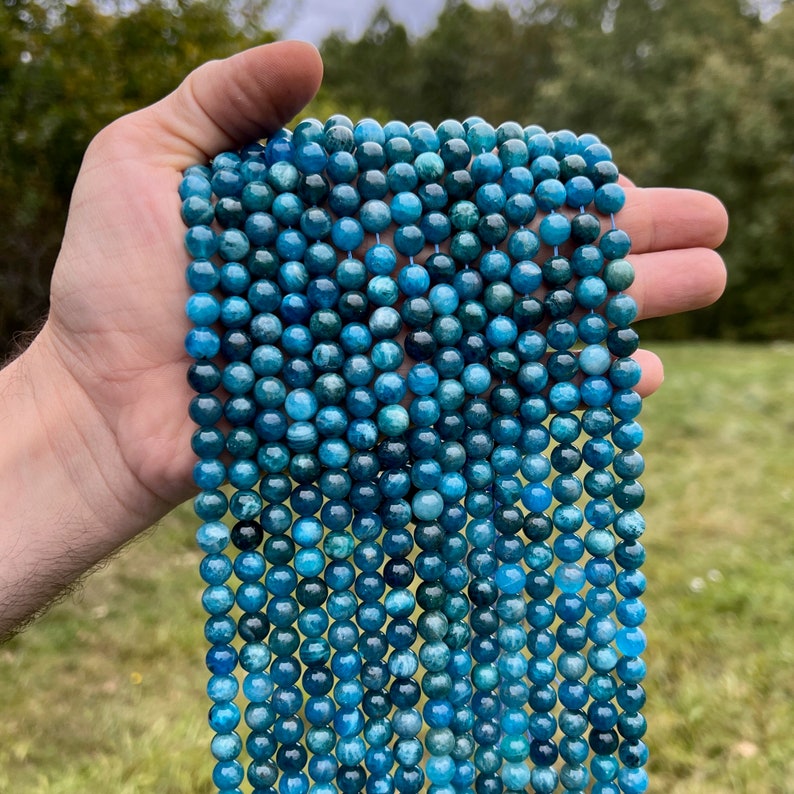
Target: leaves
{"points": [[686, 94], [67, 70]]}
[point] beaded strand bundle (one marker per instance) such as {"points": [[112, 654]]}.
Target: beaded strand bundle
{"points": [[417, 461]]}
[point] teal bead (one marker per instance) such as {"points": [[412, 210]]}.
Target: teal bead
{"points": [[555, 229], [513, 152], [550, 194], [621, 310], [429, 167], [481, 137], [195, 184], [579, 191], [631, 641], [435, 227], [615, 244], [450, 129], [523, 244], [369, 130], [342, 166], [464, 215], [380, 260], [594, 360], [338, 138], [393, 420], [486, 167], [197, 211], [618, 275], [465, 247], [347, 234], [610, 198], [383, 291], [398, 149], [202, 308], [202, 343], [201, 242]]}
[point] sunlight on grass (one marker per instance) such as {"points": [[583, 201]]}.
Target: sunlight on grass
{"points": [[105, 693]]}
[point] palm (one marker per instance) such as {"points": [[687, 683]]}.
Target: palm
{"points": [[118, 308]]}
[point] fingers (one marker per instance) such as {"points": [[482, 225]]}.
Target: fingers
{"points": [[674, 281], [224, 104], [652, 372], [658, 219]]}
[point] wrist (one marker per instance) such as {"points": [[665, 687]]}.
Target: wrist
{"points": [[71, 499]]}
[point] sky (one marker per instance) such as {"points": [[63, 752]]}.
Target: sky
{"points": [[313, 20]]}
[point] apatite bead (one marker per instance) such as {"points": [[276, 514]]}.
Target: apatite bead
{"points": [[621, 310], [555, 228], [609, 198], [417, 312], [413, 280], [382, 290], [402, 177]]}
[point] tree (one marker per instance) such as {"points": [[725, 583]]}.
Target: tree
{"points": [[67, 70], [686, 94]]}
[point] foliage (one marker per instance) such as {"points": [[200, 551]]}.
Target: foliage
{"points": [[106, 692], [686, 94], [67, 70]]}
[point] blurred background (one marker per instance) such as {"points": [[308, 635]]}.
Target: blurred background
{"points": [[106, 691], [687, 94]]}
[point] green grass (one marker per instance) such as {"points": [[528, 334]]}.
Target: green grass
{"points": [[105, 693]]}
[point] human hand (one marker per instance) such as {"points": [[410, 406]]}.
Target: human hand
{"points": [[116, 325], [96, 437], [674, 233]]}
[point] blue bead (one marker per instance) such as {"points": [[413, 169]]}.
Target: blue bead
{"points": [[631, 641], [300, 404], [610, 198], [596, 390], [615, 244], [413, 280], [633, 781], [510, 578], [390, 387], [536, 497], [621, 310], [580, 191], [555, 229], [347, 234], [561, 334]]}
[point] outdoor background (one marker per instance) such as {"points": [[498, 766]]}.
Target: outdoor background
{"points": [[105, 692]]}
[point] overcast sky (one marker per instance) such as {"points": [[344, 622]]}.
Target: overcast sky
{"points": [[313, 20]]}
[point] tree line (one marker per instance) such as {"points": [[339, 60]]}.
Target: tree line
{"points": [[686, 94]]}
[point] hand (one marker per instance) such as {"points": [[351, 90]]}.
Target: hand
{"points": [[118, 288], [93, 414], [96, 437], [674, 233], [117, 321]]}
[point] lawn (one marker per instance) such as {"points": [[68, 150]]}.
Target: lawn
{"points": [[105, 693]]}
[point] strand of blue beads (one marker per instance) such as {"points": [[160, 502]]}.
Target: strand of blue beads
{"points": [[366, 510]]}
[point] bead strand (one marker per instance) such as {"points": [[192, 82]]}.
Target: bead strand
{"points": [[403, 426]]}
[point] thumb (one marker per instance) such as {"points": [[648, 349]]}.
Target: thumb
{"points": [[227, 103]]}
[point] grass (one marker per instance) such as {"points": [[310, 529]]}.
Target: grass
{"points": [[106, 691]]}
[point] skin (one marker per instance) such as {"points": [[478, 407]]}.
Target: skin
{"points": [[96, 437]]}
